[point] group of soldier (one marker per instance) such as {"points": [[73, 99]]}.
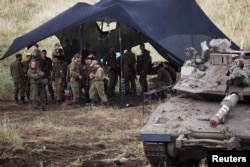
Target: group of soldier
{"points": [[80, 72]]}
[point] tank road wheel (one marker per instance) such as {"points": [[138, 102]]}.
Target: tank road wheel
{"points": [[156, 154]]}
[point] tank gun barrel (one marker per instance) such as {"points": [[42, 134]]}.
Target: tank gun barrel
{"points": [[227, 104]]}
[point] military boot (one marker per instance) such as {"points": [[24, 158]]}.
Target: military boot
{"points": [[22, 100], [16, 100], [76, 105]]}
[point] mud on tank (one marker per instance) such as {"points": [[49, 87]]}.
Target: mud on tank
{"points": [[211, 113]]}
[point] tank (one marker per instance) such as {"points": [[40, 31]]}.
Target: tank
{"points": [[210, 111]]}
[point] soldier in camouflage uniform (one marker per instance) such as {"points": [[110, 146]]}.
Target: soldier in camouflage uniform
{"points": [[146, 60], [26, 65], [37, 86], [112, 65], [129, 69], [58, 79], [97, 87], [18, 75], [75, 77], [85, 73]]}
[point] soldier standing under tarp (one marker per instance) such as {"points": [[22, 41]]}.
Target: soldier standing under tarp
{"points": [[18, 75], [75, 77], [46, 65], [58, 79], [129, 70], [86, 82], [112, 65], [26, 65], [37, 86], [146, 61], [97, 87]]}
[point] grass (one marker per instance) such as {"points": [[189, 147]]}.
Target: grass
{"points": [[9, 132], [232, 17]]}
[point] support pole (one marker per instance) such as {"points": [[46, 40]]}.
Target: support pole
{"points": [[122, 80]]}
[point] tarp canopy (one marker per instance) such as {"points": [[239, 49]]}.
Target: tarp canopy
{"points": [[169, 26]]}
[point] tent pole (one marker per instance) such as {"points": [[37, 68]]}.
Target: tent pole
{"points": [[122, 80], [81, 40], [100, 49]]}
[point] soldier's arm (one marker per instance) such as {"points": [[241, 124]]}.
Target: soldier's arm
{"points": [[33, 75], [40, 73], [72, 71], [21, 70]]}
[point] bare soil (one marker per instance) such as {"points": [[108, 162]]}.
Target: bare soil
{"points": [[82, 137]]}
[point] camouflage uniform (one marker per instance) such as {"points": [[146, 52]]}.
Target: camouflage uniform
{"points": [[163, 78], [146, 59], [18, 75], [97, 88], [58, 79], [86, 82], [75, 70], [37, 88], [26, 82], [129, 65], [110, 61]]}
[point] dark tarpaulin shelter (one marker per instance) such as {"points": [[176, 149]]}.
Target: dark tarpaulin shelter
{"points": [[168, 25]]}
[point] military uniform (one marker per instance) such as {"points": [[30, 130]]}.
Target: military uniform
{"points": [[146, 59], [163, 78], [58, 79], [129, 62], [97, 88], [46, 65], [110, 61], [75, 70], [86, 82], [37, 88], [26, 81], [18, 75]]}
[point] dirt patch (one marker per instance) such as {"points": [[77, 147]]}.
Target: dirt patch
{"points": [[63, 136]]}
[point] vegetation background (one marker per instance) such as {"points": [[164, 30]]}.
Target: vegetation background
{"points": [[20, 16]]}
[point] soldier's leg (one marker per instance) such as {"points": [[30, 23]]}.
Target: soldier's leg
{"points": [[75, 91], [92, 92], [16, 92], [101, 93], [112, 82], [127, 86], [34, 96], [27, 89], [61, 91], [22, 92], [133, 85], [42, 97], [51, 90]]}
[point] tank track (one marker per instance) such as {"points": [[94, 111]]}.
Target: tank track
{"points": [[156, 154]]}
